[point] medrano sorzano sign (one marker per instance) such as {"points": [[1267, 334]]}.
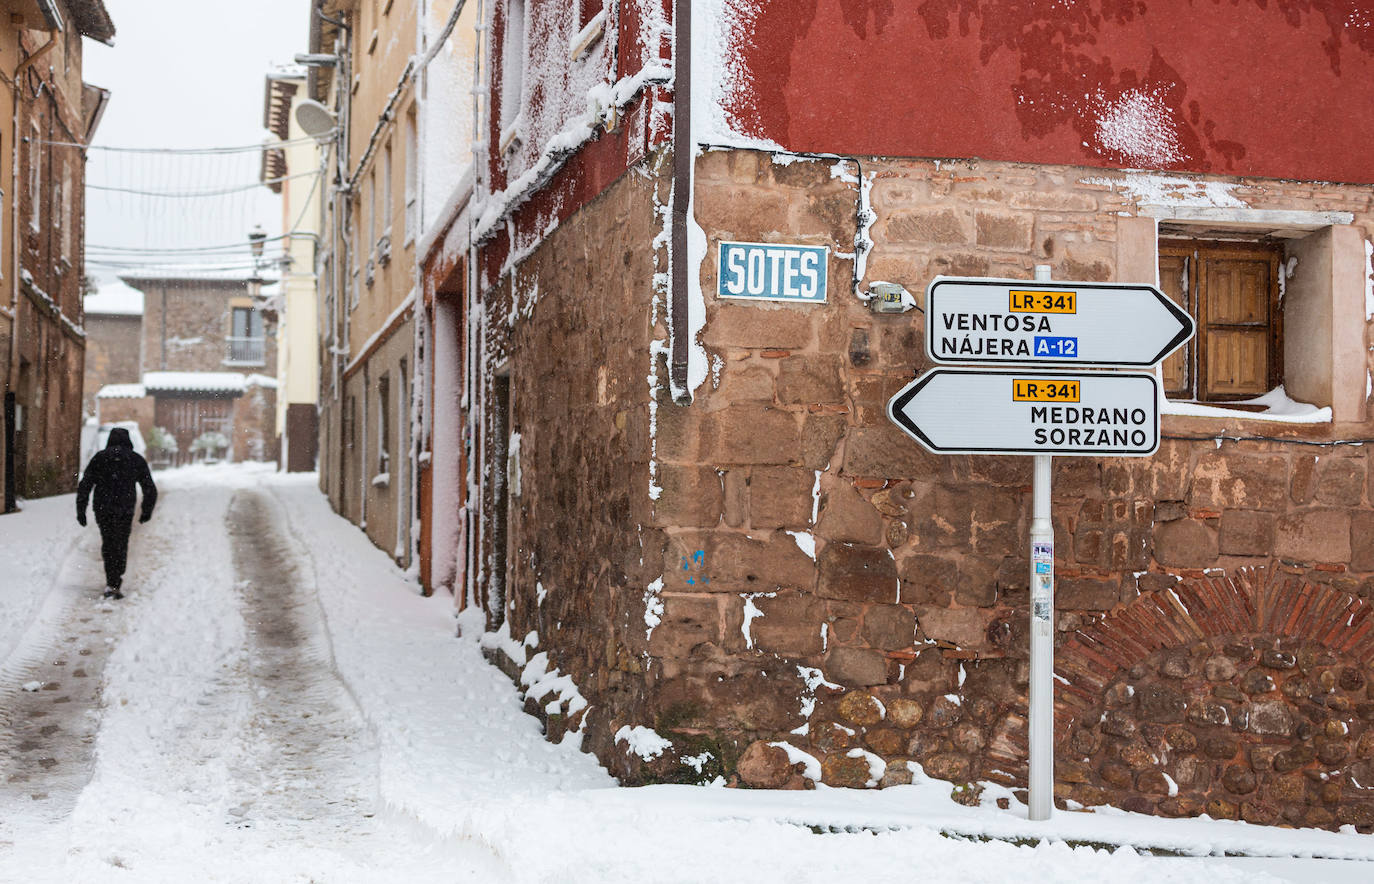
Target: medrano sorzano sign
{"points": [[1004, 411]]}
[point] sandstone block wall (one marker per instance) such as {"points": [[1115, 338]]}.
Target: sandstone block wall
{"points": [[186, 327], [815, 553], [571, 328], [778, 562], [112, 353]]}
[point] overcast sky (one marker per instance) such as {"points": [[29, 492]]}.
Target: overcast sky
{"points": [[188, 73]]}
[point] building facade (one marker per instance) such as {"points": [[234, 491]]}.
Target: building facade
{"points": [[401, 169], [51, 114], [367, 266], [206, 345], [114, 347], [696, 505], [286, 170]]}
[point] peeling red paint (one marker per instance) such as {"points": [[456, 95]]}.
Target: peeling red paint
{"points": [[1280, 88]]}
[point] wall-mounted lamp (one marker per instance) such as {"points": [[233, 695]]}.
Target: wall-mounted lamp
{"points": [[317, 59]]}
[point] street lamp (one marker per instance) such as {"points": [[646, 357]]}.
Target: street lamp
{"points": [[257, 239]]}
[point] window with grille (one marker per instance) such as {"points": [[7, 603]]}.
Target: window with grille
{"points": [[246, 341], [411, 170], [1232, 291], [512, 68], [384, 424]]}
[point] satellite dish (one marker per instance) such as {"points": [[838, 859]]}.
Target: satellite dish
{"points": [[314, 118]]}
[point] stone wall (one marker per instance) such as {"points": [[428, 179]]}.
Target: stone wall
{"points": [[570, 329], [777, 562], [112, 353], [1245, 697], [140, 410], [255, 425], [187, 323], [829, 583]]}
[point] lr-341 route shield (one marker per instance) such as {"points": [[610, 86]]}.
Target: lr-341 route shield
{"points": [[1002, 411], [1003, 321]]}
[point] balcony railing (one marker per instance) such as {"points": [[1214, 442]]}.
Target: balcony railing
{"points": [[248, 351]]}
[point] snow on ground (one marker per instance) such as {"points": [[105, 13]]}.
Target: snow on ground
{"points": [[279, 704]]}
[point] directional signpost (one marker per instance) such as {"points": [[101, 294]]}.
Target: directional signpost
{"points": [[1050, 407], [1005, 411], [1004, 321]]}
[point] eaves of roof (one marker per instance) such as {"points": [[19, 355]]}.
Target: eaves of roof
{"points": [[92, 20]]}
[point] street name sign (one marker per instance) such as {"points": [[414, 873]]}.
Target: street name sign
{"points": [[1002, 411], [1005, 321], [760, 271]]}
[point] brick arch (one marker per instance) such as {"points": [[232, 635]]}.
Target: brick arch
{"points": [[1249, 602], [1247, 696]]}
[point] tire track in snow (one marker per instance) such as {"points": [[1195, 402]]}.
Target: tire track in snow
{"points": [[307, 754], [52, 685]]}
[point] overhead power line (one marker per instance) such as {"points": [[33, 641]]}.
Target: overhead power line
{"points": [[183, 194], [189, 151], [224, 247]]}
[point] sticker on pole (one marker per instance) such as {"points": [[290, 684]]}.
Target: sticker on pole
{"points": [[999, 411]]}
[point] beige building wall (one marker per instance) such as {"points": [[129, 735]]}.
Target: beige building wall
{"points": [[383, 266], [298, 364], [367, 292]]}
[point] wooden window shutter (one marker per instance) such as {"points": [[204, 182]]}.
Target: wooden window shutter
{"points": [[1231, 290], [1173, 281], [1237, 323]]}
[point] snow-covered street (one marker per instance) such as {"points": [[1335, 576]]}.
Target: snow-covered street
{"points": [[273, 701]]}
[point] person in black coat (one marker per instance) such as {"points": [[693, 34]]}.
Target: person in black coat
{"points": [[112, 474]]}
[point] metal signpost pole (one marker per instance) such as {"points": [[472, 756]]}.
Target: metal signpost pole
{"points": [[1031, 406], [1041, 633]]}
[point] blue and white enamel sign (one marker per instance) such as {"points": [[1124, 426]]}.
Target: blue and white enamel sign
{"points": [[771, 272]]}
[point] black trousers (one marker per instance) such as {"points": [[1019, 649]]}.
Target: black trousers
{"points": [[114, 544]]}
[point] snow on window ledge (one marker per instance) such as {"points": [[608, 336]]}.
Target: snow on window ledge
{"points": [[582, 42], [513, 135], [1278, 408]]}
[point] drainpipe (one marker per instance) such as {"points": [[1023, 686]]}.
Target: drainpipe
{"points": [[24, 65], [683, 151]]}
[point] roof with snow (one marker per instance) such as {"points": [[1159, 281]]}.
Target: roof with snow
{"points": [[197, 275], [115, 299], [93, 20], [122, 391], [194, 382], [204, 382]]}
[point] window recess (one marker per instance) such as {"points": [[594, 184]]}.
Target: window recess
{"points": [[1232, 289]]}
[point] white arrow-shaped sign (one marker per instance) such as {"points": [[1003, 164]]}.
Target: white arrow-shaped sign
{"points": [[1005, 321], [1000, 411]]}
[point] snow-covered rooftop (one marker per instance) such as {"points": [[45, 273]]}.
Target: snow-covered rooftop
{"points": [[204, 381], [197, 273], [195, 381], [122, 391], [115, 298]]}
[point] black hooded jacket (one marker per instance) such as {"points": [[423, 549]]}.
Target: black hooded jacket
{"points": [[112, 473]]}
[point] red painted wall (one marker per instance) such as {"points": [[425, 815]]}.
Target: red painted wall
{"points": [[1279, 88]]}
